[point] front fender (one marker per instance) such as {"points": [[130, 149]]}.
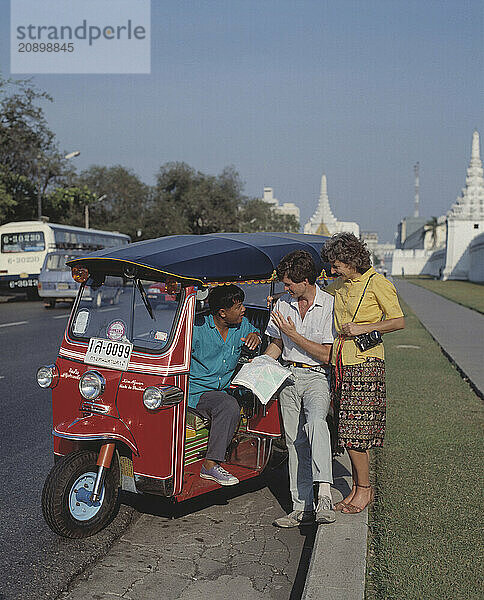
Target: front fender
{"points": [[97, 427]]}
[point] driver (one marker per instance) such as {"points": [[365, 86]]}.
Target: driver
{"points": [[217, 343]]}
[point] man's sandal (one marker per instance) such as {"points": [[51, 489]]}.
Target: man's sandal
{"points": [[351, 509]]}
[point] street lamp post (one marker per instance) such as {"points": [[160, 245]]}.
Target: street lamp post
{"points": [[86, 210], [41, 190]]}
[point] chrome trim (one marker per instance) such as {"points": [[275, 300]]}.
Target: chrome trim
{"points": [[93, 407], [83, 438], [151, 485], [172, 395]]}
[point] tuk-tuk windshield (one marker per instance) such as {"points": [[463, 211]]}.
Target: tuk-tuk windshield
{"points": [[121, 310]]}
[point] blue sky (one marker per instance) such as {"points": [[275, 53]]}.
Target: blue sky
{"points": [[287, 90]]}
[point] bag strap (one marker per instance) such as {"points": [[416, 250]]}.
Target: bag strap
{"points": [[361, 299]]}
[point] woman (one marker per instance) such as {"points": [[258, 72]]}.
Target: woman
{"points": [[364, 301]]}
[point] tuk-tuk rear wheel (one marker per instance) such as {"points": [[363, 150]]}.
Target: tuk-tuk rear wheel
{"points": [[66, 501]]}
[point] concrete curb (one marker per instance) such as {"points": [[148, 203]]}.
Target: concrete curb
{"points": [[338, 561]]}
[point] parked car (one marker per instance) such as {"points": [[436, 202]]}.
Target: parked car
{"points": [[56, 283], [55, 280], [158, 295]]}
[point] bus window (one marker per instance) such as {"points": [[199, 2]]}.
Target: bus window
{"points": [[33, 241]]}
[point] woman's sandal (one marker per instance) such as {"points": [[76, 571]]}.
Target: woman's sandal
{"points": [[351, 509], [342, 504]]}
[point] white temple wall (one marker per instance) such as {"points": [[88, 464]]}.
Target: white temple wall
{"points": [[435, 264], [476, 259], [460, 233], [411, 261]]}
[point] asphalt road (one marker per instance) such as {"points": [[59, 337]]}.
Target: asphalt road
{"points": [[35, 562], [39, 564]]}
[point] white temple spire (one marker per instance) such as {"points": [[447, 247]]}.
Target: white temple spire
{"points": [[470, 204], [475, 153], [324, 186], [323, 221]]}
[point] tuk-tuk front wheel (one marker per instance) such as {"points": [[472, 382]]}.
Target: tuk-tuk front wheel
{"points": [[66, 498]]}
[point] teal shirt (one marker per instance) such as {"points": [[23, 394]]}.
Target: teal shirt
{"points": [[213, 359]]}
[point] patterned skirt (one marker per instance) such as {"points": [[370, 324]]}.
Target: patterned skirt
{"points": [[359, 404]]}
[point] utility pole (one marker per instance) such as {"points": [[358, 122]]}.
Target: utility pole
{"points": [[416, 170]]}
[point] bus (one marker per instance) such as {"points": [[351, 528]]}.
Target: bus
{"points": [[25, 244]]}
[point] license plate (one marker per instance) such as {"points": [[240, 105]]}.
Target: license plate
{"points": [[62, 286], [109, 354]]}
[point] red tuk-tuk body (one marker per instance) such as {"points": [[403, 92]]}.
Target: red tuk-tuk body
{"points": [[108, 431]]}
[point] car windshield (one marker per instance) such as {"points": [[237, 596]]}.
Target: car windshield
{"points": [[120, 310], [57, 262]]}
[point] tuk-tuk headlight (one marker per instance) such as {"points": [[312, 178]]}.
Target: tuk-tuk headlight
{"points": [[91, 385], [153, 398], [47, 376], [166, 395]]}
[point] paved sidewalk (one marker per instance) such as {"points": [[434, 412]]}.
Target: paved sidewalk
{"points": [[198, 556], [457, 329]]}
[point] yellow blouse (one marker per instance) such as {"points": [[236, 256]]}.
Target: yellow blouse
{"points": [[380, 302]]}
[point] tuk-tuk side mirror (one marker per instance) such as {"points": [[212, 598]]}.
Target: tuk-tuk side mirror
{"points": [[202, 294]]}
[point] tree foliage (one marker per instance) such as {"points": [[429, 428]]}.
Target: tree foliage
{"points": [[119, 198], [182, 200], [29, 158]]}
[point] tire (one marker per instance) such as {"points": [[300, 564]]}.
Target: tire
{"points": [[98, 300], [50, 304], [65, 512], [32, 293]]}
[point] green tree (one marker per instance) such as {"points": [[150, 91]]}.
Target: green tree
{"points": [[29, 156], [188, 201], [431, 226], [257, 215], [67, 204], [118, 198]]}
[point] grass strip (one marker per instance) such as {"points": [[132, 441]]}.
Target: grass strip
{"points": [[425, 537], [466, 293]]}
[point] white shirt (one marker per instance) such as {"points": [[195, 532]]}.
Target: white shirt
{"points": [[317, 325]]}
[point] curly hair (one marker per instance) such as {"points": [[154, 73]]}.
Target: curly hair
{"points": [[348, 249], [298, 266]]}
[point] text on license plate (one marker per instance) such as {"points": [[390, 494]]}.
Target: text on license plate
{"points": [[106, 353]]}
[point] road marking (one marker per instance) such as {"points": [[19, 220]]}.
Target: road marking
{"points": [[2, 376], [11, 324], [62, 316], [108, 309]]}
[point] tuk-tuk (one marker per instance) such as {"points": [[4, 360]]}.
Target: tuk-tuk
{"points": [[120, 382]]}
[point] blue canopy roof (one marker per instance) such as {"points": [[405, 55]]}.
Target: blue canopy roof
{"points": [[210, 257]]}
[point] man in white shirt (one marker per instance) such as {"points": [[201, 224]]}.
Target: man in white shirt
{"points": [[301, 329]]}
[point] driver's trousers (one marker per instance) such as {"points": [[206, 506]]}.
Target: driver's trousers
{"points": [[223, 410]]}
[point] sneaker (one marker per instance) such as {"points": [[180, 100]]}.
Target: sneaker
{"points": [[325, 511], [295, 518], [218, 474]]}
